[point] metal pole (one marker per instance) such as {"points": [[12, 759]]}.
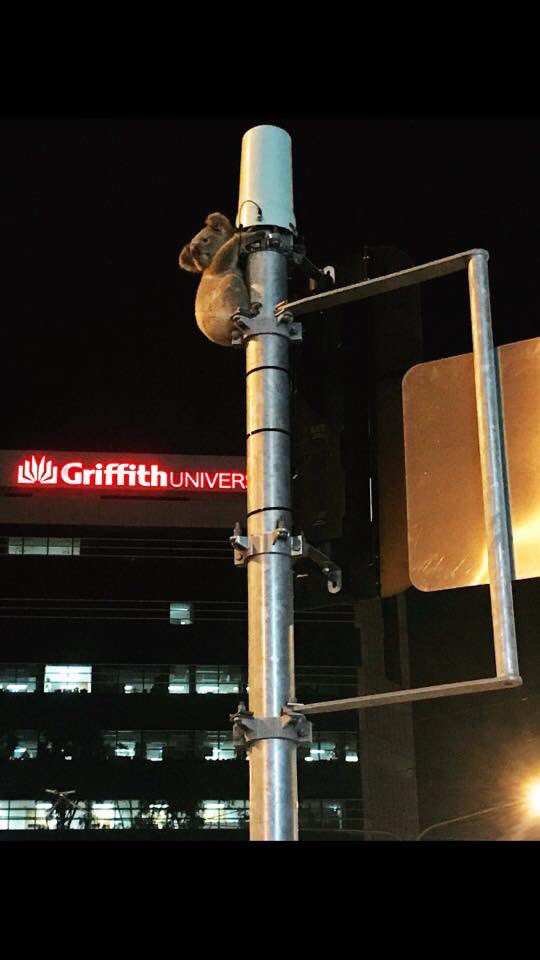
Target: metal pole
{"points": [[266, 203], [496, 510], [272, 762]]}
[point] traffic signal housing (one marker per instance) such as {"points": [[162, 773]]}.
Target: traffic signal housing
{"points": [[348, 457]]}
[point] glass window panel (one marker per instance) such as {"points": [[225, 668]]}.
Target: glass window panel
{"points": [[207, 679], [18, 679], [68, 678], [26, 748], [211, 813], [20, 686], [351, 748], [218, 679], [15, 545], [155, 744], [22, 814], [128, 744], [181, 614], [104, 815], [109, 743], [209, 742], [156, 680], [158, 815], [219, 745], [337, 746], [130, 679], [113, 814], [234, 815], [179, 679], [229, 679], [223, 814], [34, 546], [105, 679], [180, 745], [201, 744], [332, 814], [310, 813], [63, 547]]}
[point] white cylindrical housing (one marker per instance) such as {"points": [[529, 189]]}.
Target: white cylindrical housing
{"points": [[266, 184]]}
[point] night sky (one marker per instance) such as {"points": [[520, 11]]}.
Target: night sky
{"points": [[98, 319], [101, 350]]}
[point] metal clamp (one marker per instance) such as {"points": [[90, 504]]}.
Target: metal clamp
{"points": [[251, 546], [248, 325], [301, 548], [246, 547], [291, 725], [252, 241]]}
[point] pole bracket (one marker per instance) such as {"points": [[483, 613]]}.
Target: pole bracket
{"points": [[301, 548], [249, 324], [247, 728], [295, 546]]}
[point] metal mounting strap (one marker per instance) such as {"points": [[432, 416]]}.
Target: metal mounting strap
{"points": [[295, 546], [249, 325], [291, 725]]}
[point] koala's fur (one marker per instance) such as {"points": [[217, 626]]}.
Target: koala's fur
{"points": [[222, 291]]}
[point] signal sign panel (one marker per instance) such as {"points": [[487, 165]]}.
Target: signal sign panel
{"points": [[445, 514]]}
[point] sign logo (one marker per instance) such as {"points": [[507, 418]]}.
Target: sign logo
{"points": [[33, 472], [125, 476]]}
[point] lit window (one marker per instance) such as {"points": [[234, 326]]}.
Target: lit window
{"points": [[181, 614], [131, 680], [128, 744], [218, 679], [155, 745], [144, 679], [332, 814], [15, 547], [44, 546], [179, 679], [35, 546], [216, 745], [224, 814], [23, 815], [106, 815], [333, 746], [62, 547], [68, 679], [20, 745], [18, 679], [157, 815]]}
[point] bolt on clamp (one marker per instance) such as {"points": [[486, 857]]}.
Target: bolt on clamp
{"points": [[251, 546], [249, 324], [291, 725]]}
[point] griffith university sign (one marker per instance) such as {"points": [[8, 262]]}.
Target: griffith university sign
{"points": [[67, 488], [131, 473]]}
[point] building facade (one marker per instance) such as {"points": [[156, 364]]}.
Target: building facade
{"points": [[124, 651]]}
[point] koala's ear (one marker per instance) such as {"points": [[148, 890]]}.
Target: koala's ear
{"points": [[186, 261], [220, 223]]}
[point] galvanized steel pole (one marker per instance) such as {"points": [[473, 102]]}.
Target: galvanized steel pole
{"points": [[266, 203], [496, 508]]}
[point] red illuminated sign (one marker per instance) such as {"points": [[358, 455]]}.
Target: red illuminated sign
{"points": [[128, 475]]}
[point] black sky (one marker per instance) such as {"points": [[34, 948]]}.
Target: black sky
{"points": [[100, 347]]}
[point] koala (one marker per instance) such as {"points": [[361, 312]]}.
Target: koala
{"points": [[222, 291]]}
